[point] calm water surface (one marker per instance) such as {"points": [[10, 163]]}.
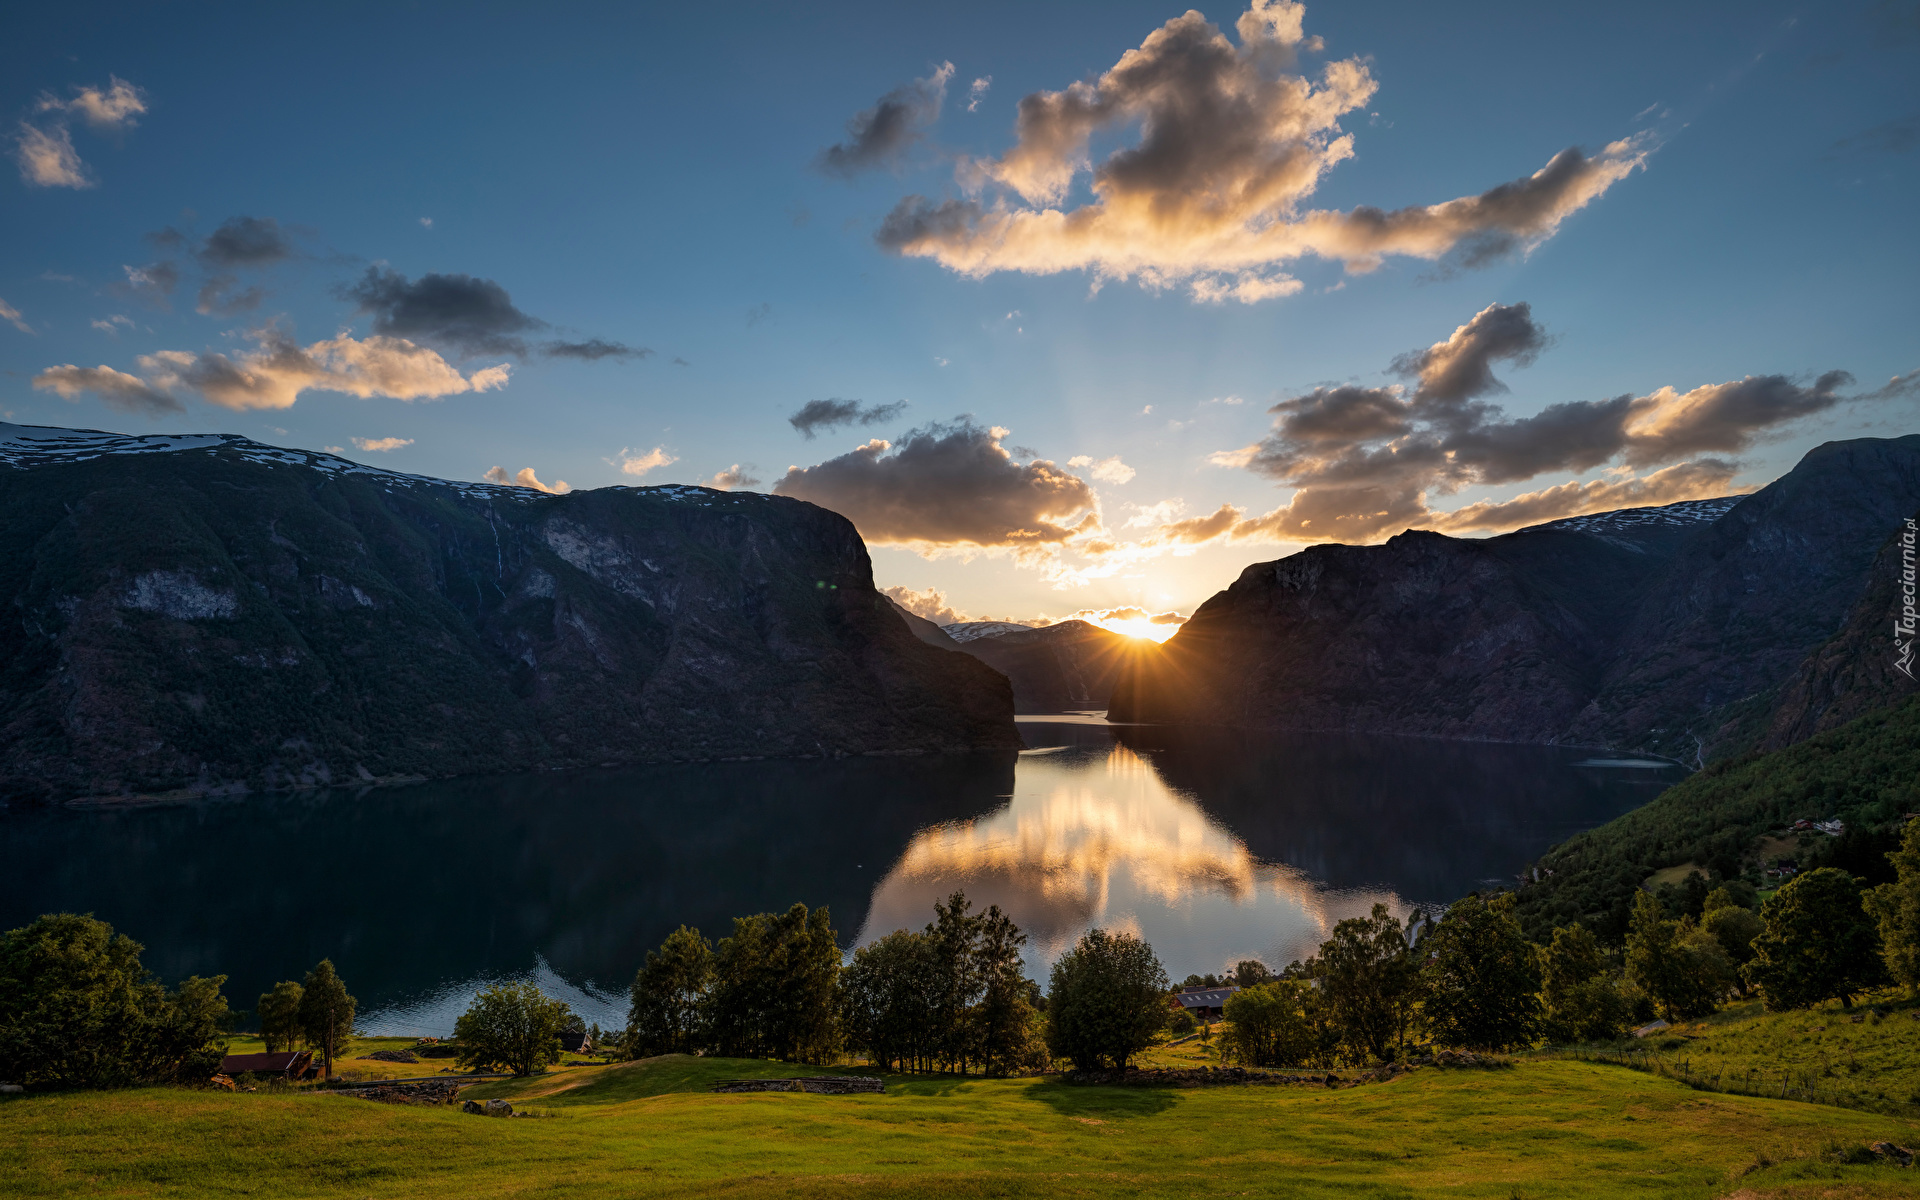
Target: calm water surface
{"points": [[1212, 845]]}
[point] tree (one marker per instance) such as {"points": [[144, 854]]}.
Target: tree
{"points": [[1105, 1001], [1369, 984], [280, 1016], [667, 1015], [774, 987], [1581, 1001], [1818, 944], [511, 1026], [1896, 906], [1250, 972], [1734, 926], [887, 998], [1271, 1025], [1678, 965], [1004, 1017], [1481, 977], [326, 1012], [77, 1010]]}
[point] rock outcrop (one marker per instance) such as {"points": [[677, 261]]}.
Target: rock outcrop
{"points": [[209, 614], [1672, 630], [1057, 668]]}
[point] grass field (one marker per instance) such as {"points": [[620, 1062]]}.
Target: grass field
{"points": [[1868, 1057], [1539, 1129]]}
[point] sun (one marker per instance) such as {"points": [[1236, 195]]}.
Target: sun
{"points": [[1136, 627]]}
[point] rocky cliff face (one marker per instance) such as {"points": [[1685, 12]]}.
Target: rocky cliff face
{"points": [[1057, 668], [211, 614], [1652, 629]]}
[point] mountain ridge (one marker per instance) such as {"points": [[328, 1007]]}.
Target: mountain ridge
{"points": [[204, 613], [1630, 630]]}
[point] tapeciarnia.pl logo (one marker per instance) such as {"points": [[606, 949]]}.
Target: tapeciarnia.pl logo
{"points": [[1903, 628]]}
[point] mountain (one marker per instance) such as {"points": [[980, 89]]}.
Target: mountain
{"points": [[1672, 630], [1054, 668], [209, 614]]}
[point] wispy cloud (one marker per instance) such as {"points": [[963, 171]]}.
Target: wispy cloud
{"points": [[11, 316], [817, 415], [380, 445], [632, 462], [880, 136]]}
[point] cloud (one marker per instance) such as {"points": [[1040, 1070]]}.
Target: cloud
{"points": [[931, 604], [1366, 462], [1232, 145], [593, 350], [152, 283], [113, 109], [113, 324], [758, 313], [245, 242], [526, 479], [1106, 470], [426, 222], [881, 135], [127, 393], [467, 315], [639, 464], [380, 445], [977, 91], [732, 479], [275, 373], [948, 486], [473, 316], [218, 297], [816, 415], [47, 157], [11, 316]]}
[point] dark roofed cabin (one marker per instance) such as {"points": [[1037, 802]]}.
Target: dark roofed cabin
{"points": [[1205, 1003], [576, 1041], [292, 1064]]}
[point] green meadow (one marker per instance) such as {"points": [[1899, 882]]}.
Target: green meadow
{"points": [[1539, 1128]]}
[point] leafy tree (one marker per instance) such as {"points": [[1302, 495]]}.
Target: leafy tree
{"points": [[326, 1012], [774, 987], [280, 1016], [1369, 983], [1481, 978], [887, 1000], [1678, 965], [77, 1010], [1004, 1017], [1734, 927], [1181, 1023], [1818, 945], [1105, 1000], [1582, 1003], [1271, 1025], [1250, 972], [511, 1026], [1896, 906], [669, 997]]}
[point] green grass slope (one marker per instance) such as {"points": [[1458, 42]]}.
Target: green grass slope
{"points": [[1541, 1129], [1866, 772]]}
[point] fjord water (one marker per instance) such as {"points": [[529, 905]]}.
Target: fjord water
{"points": [[1213, 845]]}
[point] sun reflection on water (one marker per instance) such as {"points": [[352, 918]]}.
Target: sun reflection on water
{"points": [[1097, 838]]}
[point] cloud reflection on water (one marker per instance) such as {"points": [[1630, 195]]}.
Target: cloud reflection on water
{"points": [[1095, 837]]}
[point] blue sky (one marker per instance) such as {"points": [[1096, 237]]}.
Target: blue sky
{"points": [[651, 176]]}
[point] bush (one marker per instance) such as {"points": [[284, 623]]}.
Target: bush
{"points": [[1106, 1000], [77, 1010], [1272, 1025], [513, 1027]]}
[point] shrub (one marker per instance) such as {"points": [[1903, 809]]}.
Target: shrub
{"points": [[1271, 1025]]}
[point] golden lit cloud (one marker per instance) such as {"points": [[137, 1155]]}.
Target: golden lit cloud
{"points": [[1212, 195]]}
